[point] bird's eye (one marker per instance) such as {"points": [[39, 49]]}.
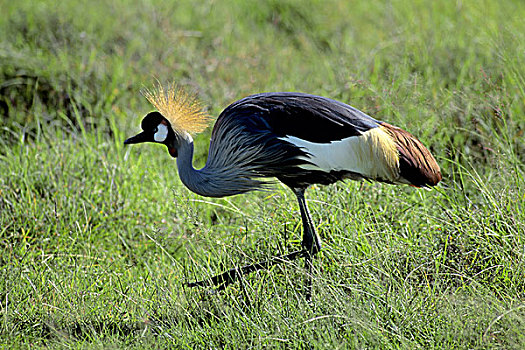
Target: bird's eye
{"points": [[155, 130]]}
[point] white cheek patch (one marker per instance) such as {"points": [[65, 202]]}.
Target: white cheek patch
{"points": [[161, 134]]}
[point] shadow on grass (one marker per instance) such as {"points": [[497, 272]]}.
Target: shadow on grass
{"points": [[83, 330], [205, 312]]}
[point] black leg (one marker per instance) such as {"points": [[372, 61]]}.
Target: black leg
{"points": [[311, 241], [311, 246], [224, 279]]}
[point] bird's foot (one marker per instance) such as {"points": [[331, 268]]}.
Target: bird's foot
{"points": [[223, 280], [220, 281]]}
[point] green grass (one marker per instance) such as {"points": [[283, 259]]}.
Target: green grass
{"points": [[96, 239]]}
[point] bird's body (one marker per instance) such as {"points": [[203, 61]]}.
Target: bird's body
{"points": [[299, 139], [303, 139]]}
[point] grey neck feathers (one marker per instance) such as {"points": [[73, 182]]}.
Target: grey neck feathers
{"points": [[212, 181]]}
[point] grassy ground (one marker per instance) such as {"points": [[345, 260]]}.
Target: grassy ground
{"points": [[96, 239]]}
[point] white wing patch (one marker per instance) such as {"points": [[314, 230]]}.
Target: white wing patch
{"points": [[161, 134], [372, 154]]}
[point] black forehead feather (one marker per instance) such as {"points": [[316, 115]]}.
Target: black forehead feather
{"points": [[151, 120]]}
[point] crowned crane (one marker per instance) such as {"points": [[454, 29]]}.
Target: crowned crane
{"points": [[298, 138]]}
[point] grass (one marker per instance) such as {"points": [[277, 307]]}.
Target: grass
{"points": [[96, 239]]}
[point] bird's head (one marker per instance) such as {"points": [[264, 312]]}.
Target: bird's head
{"points": [[156, 129], [178, 115]]}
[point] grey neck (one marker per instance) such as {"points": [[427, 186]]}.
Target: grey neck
{"points": [[189, 176], [212, 180]]}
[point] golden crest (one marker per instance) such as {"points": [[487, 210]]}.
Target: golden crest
{"points": [[182, 109]]}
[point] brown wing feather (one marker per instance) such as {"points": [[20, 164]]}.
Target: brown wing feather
{"points": [[416, 163]]}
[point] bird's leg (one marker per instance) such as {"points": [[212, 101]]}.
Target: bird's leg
{"points": [[311, 240], [224, 279], [311, 245]]}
